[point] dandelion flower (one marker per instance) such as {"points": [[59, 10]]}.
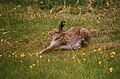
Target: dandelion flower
{"points": [[29, 54], [41, 2], [73, 57], [112, 56], [99, 49], [83, 53], [41, 56], [31, 67], [14, 53], [112, 53], [84, 59], [48, 60], [21, 61], [22, 55], [43, 33], [110, 69], [33, 64], [94, 50], [99, 62], [1, 39], [0, 55], [65, 59], [37, 61]]}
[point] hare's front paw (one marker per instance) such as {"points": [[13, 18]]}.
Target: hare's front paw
{"points": [[38, 53]]}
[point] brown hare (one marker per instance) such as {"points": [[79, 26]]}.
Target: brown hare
{"points": [[74, 38]]}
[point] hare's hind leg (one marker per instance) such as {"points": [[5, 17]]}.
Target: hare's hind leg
{"points": [[78, 44], [84, 43]]}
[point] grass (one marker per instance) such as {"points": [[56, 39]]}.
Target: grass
{"points": [[23, 32]]}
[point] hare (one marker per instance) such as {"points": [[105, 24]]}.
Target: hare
{"points": [[74, 38]]}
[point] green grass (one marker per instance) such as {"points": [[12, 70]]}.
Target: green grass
{"points": [[24, 33]]}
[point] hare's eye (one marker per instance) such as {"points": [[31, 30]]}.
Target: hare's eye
{"points": [[56, 32]]}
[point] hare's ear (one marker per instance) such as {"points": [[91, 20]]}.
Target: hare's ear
{"points": [[61, 25]]}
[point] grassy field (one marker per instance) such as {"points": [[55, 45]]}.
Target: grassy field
{"points": [[23, 31]]}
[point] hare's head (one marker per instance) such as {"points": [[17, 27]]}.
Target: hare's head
{"points": [[56, 33]]}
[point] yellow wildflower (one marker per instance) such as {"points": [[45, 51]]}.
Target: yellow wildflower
{"points": [[41, 2], [33, 64], [94, 50], [73, 57], [29, 54], [43, 33], [14, 53], [48, 60], [65, 59], [21, 61], [41, 56], [99, 62], [110, 69], [22, 55], [31, 67], [112, 53], [99, 49], [0, 55], [84, 59], [83, 53], [37, 61], [112, 56]]}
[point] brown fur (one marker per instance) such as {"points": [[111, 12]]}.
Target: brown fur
{"points": [[74, 38]]}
